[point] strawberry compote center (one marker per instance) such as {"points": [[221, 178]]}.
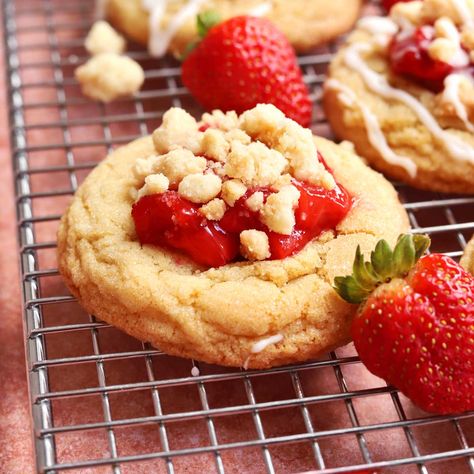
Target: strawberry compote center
{"points": [[409, 56], [171, 221]]}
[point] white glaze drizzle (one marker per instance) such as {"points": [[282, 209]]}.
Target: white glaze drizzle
{"points": [[382, 29], [451, 94], [378, 25], [374, 132], [261, 10], [464, 12], [458, 148], [264, 343], [195, 371], [160, 38]]}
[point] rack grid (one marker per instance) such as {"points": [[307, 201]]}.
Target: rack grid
{"points": [[104, 402]]}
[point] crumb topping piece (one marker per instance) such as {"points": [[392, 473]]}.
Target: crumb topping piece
{"points": [[214, 210], [254, 164], [102, 38], [154, 184], [178, 130], [200, 188], [467, 39], [232, 191], [145, 166], [107, 76], [254, 245], [179, 163], [255, 201], [407, 12], [442, 49], [277, 212], [215, 145], [223, 121], [434, 9]]}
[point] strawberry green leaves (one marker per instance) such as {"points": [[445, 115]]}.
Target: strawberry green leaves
{"points": [[205, 21], [383, 266]]}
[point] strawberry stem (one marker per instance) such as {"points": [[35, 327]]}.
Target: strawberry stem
{"points": [[384, 265], [204, 22]]}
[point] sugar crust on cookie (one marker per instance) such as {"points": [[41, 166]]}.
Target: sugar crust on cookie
{"points": [[218, 315]]}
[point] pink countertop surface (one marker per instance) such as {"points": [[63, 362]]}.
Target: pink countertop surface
{"points": [[16, 453]]}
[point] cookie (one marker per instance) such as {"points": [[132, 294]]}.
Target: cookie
{"points": [[467, 260], [419, 131], [307, 23], [255, 313]]}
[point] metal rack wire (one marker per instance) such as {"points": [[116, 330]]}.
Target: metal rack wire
{"points": [[134, 408]]}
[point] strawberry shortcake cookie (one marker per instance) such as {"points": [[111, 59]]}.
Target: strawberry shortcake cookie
{"points": [[402, 90], [219, 240], [169, 25]]}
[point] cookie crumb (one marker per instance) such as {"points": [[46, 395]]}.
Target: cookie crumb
{"points": [[255, 201], [179, 163], [102, 38], [154, 184], [442, 49], [178, 130], [254, 245], [467, 39], [277, 212], [214, 210], [200, 188], [232, 191], [434, 9], [254, 164], [411, 11], [238, 135], [223, 121], [108, 76], [143, 167], [214, 144]]}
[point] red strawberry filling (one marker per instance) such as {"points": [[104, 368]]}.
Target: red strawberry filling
{"points": [[388, 4], [171, 221], [409, 57]]}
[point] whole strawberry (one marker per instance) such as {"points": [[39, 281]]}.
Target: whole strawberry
{"points": [[415, 325], [243, 62]]}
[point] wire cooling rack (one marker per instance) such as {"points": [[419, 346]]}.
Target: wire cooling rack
{"points": [[102, 401]]}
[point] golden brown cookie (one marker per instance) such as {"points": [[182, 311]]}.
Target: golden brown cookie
{"points": [[403, 129], [467, 260], [307, 23], [256, 314]]}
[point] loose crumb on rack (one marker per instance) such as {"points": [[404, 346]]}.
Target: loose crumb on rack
{"points": [[108, 76], [102, 38]]}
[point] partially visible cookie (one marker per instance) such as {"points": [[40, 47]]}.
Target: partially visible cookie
{"points": [[256, 312], [306, 23], [420, 131], [467, 260]]}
